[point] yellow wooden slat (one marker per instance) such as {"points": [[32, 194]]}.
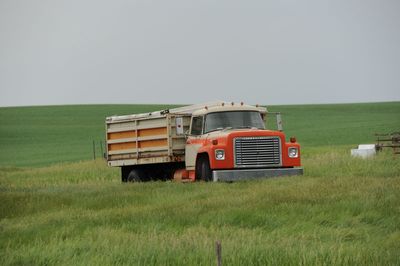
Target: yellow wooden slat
{"points": [[152, 131], [142, 133], [121, 146], [153, 143], [121, 135]]}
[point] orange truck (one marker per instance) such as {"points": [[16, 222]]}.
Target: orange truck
{"points": [[217, 141]]}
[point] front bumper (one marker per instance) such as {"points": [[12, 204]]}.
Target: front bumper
{"points": [[247, 174]]}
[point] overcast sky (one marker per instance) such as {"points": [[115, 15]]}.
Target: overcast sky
{"points": [[269, 52]]}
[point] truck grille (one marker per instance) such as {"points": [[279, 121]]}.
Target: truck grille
{"points": [[257, 151]]}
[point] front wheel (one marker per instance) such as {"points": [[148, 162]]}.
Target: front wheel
{"points": [[203, 170]]}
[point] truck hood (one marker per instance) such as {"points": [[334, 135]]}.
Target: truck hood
{"points": [[246, 132]]}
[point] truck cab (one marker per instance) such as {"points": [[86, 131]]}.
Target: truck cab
{"points": [[230, 142]]}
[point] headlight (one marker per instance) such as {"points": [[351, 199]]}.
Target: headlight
{"points": [[220, 154], [293, 152]]}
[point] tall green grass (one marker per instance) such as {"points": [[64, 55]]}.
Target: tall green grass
{"points": [[342, 211]]}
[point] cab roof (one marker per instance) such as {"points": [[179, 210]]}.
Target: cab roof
{"points": [[192, 110], [228, 107]]}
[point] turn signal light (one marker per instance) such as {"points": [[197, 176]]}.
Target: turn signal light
{"points": [[293, 139], [215, 142]]}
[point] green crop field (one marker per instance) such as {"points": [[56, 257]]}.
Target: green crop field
{"points": [[39, 136], [58, 206]]}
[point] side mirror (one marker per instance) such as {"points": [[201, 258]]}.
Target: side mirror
{"points": [[279, 121]]}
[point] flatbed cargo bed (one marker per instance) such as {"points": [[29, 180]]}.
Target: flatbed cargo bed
{"points": [[156, 137]]}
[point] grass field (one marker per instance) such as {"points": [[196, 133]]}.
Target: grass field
{"points": [[343, 211]]}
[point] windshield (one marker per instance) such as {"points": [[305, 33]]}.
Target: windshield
{"points": [[233, 119]]}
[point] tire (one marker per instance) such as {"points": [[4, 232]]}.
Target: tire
{"points": [[124, 174], [203, 170], [136, 175]]}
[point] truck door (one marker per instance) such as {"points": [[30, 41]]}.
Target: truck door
{"points": [[193, 142]]}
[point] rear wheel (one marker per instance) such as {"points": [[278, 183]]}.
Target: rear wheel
{"points": [[124, 173], [136, 175], [203, 170]]}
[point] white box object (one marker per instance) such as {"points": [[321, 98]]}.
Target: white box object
{"points": [[366, 146], [364, 151]]}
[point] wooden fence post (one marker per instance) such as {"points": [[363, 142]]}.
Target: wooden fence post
{"points": [[94, 151], [101, 148], [218, 250]]}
